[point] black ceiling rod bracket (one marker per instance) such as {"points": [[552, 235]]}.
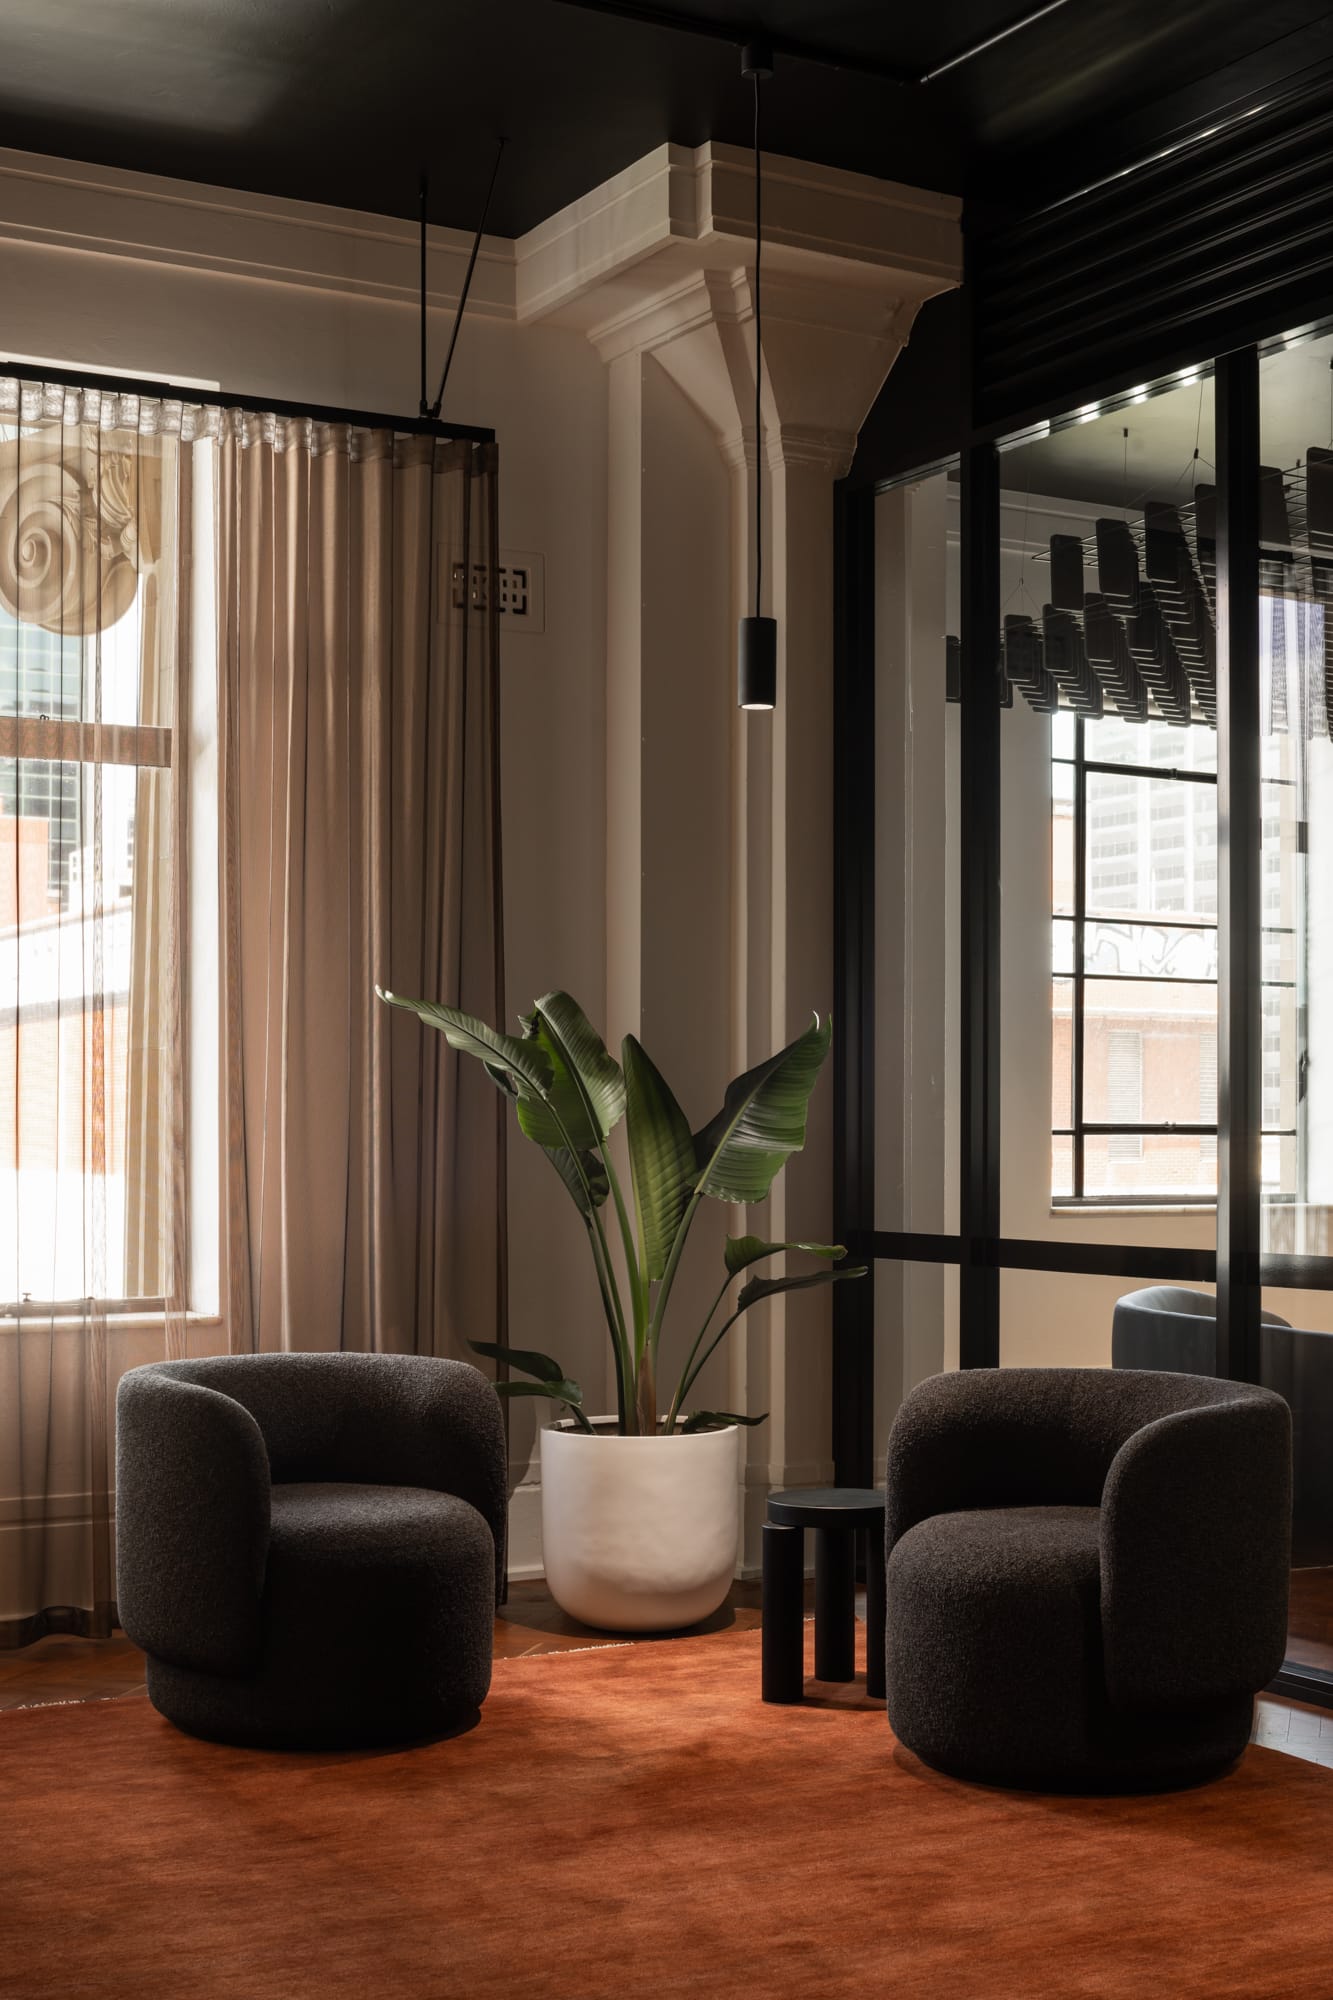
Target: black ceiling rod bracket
{"points": [[423, 408], [467, 283], [757, 58]]}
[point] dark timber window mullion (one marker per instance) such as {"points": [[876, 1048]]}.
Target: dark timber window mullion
{"points": [[979, 841], [1239, 867]]}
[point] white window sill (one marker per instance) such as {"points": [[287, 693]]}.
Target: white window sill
{"points": [[35, 1318], [1071, 1212]]}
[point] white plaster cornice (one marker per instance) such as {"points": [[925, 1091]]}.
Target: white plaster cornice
{"points": [[605, 263], [680, 210], [101, 211]]}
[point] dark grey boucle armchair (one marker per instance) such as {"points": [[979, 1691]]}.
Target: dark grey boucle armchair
{"points": [[309, 1547], [1087, 1573]]}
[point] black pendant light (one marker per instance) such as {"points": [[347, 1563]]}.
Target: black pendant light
{"points": [[757, 659]]}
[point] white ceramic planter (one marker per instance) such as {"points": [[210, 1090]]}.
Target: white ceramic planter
{"points": [[639, 1534]]}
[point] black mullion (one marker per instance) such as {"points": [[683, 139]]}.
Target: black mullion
{"points": [[1080, 948], [854, 979], [979, 844], [1165, 979], [1239, 827], [1102, 768]]}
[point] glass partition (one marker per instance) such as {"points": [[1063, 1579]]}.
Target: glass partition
{"points": [[1102, 951], [1108, 862], [1296, 742], [916, 929]]}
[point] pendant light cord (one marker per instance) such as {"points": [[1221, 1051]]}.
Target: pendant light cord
{"points": [[758, 364]]}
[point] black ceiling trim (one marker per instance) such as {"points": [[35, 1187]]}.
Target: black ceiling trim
{"points": [[1168, 264], [739, 33]]}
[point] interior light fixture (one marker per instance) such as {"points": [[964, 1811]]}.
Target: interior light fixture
{"points": [[757, 654]]}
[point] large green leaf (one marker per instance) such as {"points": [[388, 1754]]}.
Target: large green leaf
{"points": [[561, 1115], [568, 1393], [584, 1176], [524, 1062], [743, 1251], [661, 1155], [550, 1382], [742, 1150], [595, 1072], [716, 1420], [766, 1288], [524, 1358]]}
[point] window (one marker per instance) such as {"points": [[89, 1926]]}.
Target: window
{"points": [[89, 872], [1124, 1092], [1135, 962]]}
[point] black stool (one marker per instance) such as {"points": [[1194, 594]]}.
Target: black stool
{"points": [[837, 1514]]}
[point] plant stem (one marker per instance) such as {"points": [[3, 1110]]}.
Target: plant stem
{"points": [[685, 1376], [702, 1362], [605, 1269], [638, 1289], [602, 1281]]}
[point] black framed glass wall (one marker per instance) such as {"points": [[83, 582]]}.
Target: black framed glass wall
{"points": [[1296, 920], [1107, 889], [916, 911], [1207, 950]]}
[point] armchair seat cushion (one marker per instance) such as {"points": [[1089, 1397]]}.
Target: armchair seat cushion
{"points": [[377, 1613]]}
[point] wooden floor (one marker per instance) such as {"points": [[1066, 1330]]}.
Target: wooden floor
{"points": [[63, 1669]]}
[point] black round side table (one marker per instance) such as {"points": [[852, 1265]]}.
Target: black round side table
{"points": [[837, 1514]]}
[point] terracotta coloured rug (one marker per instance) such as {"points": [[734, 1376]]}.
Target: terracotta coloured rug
{"points": [[633, 1822]]}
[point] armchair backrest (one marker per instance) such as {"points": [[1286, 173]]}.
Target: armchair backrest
{"points": [[1169, 1321], [367, 1419], [1025, 1437]]}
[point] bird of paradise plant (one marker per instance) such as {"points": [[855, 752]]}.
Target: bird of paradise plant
{"points": [[569, 1095]]}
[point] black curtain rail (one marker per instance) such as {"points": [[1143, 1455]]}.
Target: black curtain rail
{"points": [[259, 406]]}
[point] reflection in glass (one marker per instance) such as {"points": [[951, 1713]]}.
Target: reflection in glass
{"points": [[1296, 721]]}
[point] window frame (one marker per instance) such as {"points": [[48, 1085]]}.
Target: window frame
{"points": [[1078, 977]]}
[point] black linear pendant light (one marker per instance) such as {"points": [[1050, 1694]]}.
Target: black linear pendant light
{"points": [[757, 659]]}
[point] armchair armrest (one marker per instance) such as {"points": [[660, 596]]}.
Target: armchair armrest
{"points": [[454, 1439], [1195, 1554], [192, 1522]]}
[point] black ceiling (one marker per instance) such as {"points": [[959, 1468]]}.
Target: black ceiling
{"points": [[343, 101]]}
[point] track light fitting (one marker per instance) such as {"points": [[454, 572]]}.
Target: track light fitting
{"points": [[757, 639]]}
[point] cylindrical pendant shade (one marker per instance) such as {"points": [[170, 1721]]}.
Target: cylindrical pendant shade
{"points": [[757, 675]]}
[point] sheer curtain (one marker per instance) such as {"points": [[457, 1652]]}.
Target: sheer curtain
{"points": [[365, 1201], [349, 1176], [95, 524]]}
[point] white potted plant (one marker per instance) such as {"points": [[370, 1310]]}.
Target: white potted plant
{"points": [[640, 1511]]}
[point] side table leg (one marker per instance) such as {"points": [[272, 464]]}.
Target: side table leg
{"points": [[835, 1604], [783, 1613], [875, 1584]]}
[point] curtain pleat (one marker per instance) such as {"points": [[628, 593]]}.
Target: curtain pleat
{"points": [[362, 1204], [358, 691]]}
